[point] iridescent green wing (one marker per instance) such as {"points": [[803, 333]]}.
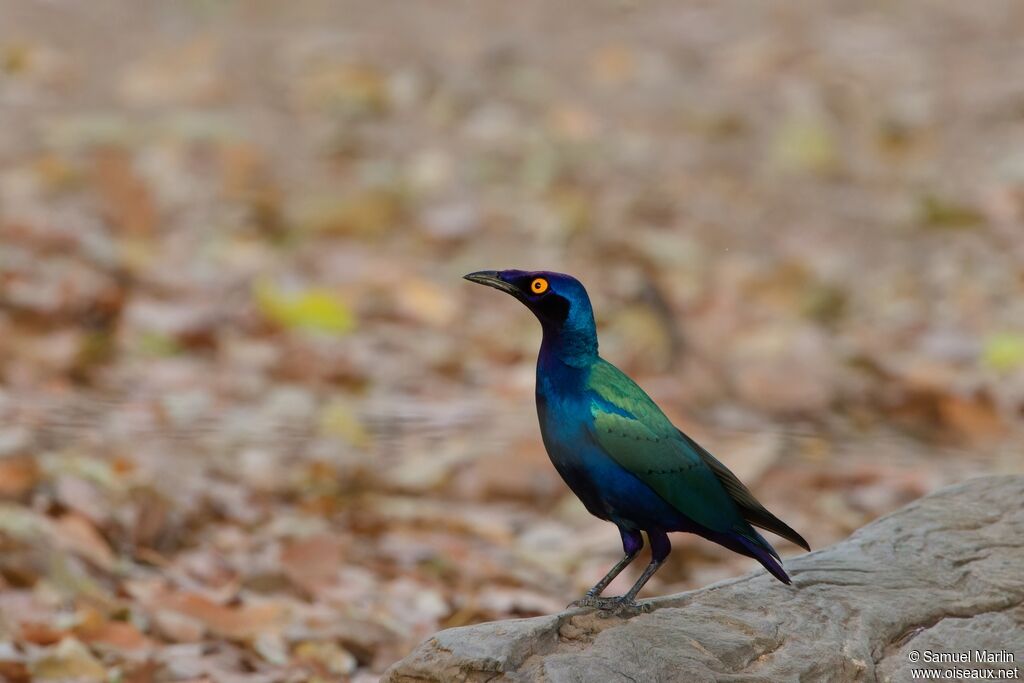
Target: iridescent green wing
{"points": [[633, 431]]}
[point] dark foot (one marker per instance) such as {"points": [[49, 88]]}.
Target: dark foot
{"points": [[627, 608], [595, 602], [613, 606]]}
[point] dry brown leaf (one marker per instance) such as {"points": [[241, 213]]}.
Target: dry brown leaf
{"points": [[426, 303], [77, 535], [84, 497], [18, 475], [326, 658], [313, 561], [68, 661], [39, 633], [356, 88], [168, 75], [119, 635], [241, 622], [14, 672], [613, 64], [521, 471], [145, 672], [177, 627], [152, 522], [975, 418], [127, 201]]}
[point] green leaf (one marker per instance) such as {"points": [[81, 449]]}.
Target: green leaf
{"points": [[158, 344], [339, 419], [1004, 351], [943, 214], [311, 309], [806, 144]]}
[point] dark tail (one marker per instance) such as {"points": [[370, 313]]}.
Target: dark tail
{"points": [[752, 544], [748, 505], [766, 558]]}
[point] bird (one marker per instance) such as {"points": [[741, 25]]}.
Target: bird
{"points": [[618, 452]]}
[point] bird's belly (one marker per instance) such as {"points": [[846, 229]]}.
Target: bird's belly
{"points": [[608, 490], [578, 475], [605, 488]]}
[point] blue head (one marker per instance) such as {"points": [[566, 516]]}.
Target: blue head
{"points": [[560, 303]]}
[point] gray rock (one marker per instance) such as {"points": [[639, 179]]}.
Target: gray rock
{"points": [[942, 575]]}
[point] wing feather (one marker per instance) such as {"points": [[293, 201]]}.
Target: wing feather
{"points": [[751, 508], [634, 432]]}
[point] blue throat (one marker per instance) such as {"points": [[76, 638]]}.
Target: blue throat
{"points": [[574, 341]]}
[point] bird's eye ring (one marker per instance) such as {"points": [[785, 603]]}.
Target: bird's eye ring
{"points": [[539, 285]]}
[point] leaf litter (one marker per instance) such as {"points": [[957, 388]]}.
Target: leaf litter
{"points": [[253, 427]]}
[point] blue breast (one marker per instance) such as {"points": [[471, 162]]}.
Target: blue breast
{"points": [[607, 490]]}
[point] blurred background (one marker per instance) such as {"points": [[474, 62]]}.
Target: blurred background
{"points": [[254, 426]]}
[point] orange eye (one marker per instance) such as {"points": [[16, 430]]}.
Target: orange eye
{"points": [[539, 286]]}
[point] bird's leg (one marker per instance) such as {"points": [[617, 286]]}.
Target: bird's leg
{"points": [[592, 597], [660, 548], [632, 543], [626, 560]]}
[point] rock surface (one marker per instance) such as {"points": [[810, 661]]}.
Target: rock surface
{"points": [[944, 574]]}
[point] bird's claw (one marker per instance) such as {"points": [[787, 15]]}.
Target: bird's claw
{"points": [[627, 608], [595, 602], [613, 606]]}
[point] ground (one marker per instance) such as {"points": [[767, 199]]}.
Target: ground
{"points": [[254, 426]]}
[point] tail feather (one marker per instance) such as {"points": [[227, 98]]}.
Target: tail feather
{"points": [[760, 517], [746, 541], [766, 558], [749, 506]]}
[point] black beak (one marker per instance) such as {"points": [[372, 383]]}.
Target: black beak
{"points": [[492, 278]]}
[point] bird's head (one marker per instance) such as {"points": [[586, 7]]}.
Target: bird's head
{"points": [[558, 300]]}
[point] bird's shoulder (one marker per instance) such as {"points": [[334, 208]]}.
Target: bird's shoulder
{"points": [[630, 427], [617, 400]]}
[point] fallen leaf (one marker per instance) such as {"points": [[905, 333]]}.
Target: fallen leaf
{"points": [[272, 647], [368, 212], [177, 627], [14, 672], [126, 199], [144, 672], [944, 214], [1004, 351], [806, 144], [77, 535], [39, 633], [338, 418], [313, 309], [975, 417], [69, 577], [18, 475], [613, 65], [242, 622], [573, 122], [22, 523], [326, 658], [313, 561], [70, 660], [118, 635], [520, 471], [84, 497], [175, 74], [353, 88], [426, 303]]}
